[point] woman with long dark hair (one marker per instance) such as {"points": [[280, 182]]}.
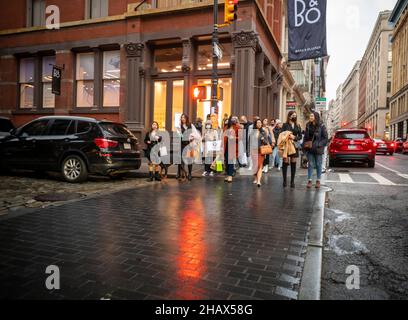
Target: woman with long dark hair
{"points": [[231, 138], [292, 126], [187, 128], [314, 142], [269, 131], [260, 137], [152, 138]]}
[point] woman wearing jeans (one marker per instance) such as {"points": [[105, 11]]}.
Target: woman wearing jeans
{"points": [[314, 143]]}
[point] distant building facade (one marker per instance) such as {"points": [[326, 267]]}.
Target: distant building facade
{"points": [[375, 76], [350, 98]]}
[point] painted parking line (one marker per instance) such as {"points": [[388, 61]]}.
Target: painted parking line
{"points": [[345, 178], [381, 180]]}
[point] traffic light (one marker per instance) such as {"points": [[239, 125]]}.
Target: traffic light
{"points": [[199, 92], [220, 93], [230, 11]]}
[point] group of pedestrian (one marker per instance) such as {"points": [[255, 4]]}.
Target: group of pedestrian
{"points": [[260, 146]]}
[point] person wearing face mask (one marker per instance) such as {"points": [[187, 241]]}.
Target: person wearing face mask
{"points": [[314, 143], [259, 137], [152, 138], [210, 136], [231, 138], [296, 135], [189, 137]]}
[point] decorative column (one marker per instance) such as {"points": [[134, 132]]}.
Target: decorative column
{"points": [[267, 91], [245, 44], [135, 106]]}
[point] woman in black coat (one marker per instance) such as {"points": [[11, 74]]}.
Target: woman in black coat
{"points": [[292, 126], [315, 133], [152, 138]]}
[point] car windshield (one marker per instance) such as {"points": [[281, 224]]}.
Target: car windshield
{"points": [[350, 135], [116, 129]]}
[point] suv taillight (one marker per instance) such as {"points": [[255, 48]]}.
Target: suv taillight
{"points": [[103, 143]]}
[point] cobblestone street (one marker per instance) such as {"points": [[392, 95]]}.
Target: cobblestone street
{"points": [[204, 240]]}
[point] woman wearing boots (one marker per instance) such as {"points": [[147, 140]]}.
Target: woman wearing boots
{"points": [[231, 138], [151, 139], [292, 126], [314, 142], [269, 131], [187, 128], [260, 137]]}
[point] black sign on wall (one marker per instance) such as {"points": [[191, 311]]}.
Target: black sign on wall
{"points": [[307, 29], [56, 80]]}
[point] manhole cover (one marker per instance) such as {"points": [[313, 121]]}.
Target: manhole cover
{"points": [[53, 197]]}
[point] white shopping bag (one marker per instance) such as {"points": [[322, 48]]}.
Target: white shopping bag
{"points": [[163, 151], [213, 146]]}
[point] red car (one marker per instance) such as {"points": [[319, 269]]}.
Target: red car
{"points": [[352, 145], [383, 146], [405, 147]]}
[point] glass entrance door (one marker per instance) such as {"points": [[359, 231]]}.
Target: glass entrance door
{"points": [[224, 107], [168, 103]]}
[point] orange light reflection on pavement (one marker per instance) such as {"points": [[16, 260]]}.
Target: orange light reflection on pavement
{"points": [[192, 251]]}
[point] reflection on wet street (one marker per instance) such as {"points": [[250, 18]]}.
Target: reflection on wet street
{"points": [[199, 240]]}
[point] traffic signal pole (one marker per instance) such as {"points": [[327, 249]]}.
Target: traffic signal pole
{"points": [[214, 78]]}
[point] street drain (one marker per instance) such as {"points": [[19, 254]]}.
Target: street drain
{"points": [[54, 197]]}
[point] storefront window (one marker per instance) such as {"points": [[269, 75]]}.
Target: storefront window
{"points": [[168, 59], [224, 107], [204, 56], [159, 108], [177, 107], [85, 80], [27, 83], [111, 78], [48, 96]]}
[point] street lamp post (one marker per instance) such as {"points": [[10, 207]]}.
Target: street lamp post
{"points": [[214, 80]]}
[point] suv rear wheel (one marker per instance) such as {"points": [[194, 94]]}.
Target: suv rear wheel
{"points": [[371, 163], [332, 163], [73, 169]]}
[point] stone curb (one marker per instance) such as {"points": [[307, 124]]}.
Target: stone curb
{"points": [[311, 278]]}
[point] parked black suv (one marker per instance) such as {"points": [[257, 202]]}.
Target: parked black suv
{"points": [[75, 146]]}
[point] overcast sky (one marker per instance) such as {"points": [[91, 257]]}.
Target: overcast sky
{"points": [[349, 27]]}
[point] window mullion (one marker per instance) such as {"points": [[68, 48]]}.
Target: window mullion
{"points": [[37, 83], [98, 92]]}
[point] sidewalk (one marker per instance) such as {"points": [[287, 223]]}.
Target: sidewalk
{"points": [[200, 240]]}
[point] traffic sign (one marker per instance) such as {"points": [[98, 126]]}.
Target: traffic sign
{"points": [[321, 104], [217, 51]]}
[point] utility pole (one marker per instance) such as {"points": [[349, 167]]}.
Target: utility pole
{"points": [[214, 78]]}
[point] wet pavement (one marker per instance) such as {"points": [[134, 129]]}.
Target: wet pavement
{"points": [[200, 240], [366, 226]]}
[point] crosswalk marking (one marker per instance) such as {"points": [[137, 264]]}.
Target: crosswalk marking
{"points": [[344, 177], [381, 179], [348, 178]]}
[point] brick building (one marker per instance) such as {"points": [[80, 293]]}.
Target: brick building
{"points": [[137, 61], [399, 98]]}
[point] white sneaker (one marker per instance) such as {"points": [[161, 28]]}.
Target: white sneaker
{"points": [[211, 174], [205, 173]]}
